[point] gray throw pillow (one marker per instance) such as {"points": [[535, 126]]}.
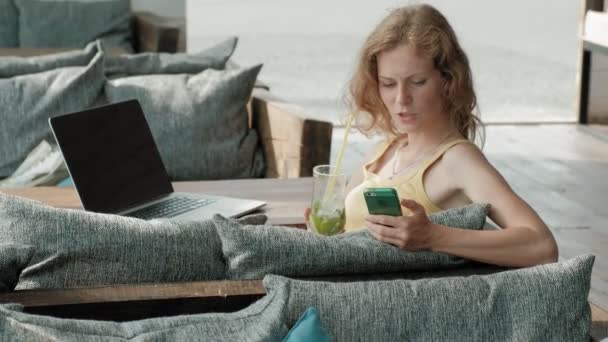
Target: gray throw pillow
{"points": [[171, 63], [199, 122], [13, 259], [69, 24], [261, 321], [9, 24], [542, 303], [76, 248], [28, 101], [251, 252], [15, 66]]}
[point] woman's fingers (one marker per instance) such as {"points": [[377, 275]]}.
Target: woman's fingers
{"points": [[383, 231], [415, 207], [383, 238], [385, 220]]}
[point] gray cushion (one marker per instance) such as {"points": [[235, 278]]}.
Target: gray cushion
{"points": [[13, 259], [27, 101], [74, 23], [199, 122], [261, 321], [543, 303], [9, 24], [252, 252], [171, 63], [14, 66], [77, 248]]}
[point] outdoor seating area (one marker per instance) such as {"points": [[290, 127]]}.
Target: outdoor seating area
{"points": [[70, 274]]}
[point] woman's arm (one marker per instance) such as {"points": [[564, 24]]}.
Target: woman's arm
{"points": [[525, 239]]}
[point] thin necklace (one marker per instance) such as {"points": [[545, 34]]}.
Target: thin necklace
{"points": [[417, 159]]}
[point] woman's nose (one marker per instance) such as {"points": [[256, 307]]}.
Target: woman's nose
{"points": [[404, 96]]}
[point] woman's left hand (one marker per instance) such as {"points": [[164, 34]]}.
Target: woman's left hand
{"points": [[412, 232]]}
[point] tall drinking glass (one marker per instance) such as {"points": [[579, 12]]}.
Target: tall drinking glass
{"points": [[327, 207]]}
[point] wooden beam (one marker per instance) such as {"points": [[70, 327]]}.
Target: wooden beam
{"points": [[125, 293], [585, 59]]}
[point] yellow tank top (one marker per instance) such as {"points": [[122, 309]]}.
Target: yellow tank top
{"points": [[409, 186]]}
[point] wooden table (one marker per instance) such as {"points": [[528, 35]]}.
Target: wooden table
{"points": [[286, 200]]}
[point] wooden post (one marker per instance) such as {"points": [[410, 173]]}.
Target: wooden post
{"points": [[585, 58]]}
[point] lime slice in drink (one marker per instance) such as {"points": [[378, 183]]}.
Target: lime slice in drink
{"points": [[327, 223]]}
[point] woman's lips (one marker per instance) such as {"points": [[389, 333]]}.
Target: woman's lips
{"points": [[406, 116]]}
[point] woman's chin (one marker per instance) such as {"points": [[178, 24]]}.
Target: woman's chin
{"points": [[406, 127], [406, 120]]}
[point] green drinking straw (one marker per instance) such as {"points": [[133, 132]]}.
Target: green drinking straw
{"points": [[332, 180]]}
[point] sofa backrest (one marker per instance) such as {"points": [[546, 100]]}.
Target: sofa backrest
{"points": [[151, 33]]}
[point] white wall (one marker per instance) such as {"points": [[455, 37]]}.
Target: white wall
{"points": [[169, 8]]}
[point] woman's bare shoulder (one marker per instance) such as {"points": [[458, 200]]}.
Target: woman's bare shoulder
{"points": [[468, 164], [467, 152], [466, 159]]}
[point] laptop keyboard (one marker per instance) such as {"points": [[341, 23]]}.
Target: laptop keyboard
{"points": [[170, 207]]}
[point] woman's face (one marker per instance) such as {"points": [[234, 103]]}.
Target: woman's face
{"points": [[410, 88]]}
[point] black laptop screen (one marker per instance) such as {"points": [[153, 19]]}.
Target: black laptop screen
{"points": [[111, 156]]}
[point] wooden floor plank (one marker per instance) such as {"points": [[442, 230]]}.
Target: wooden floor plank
{"points": [[550, 204], [536, 182]]}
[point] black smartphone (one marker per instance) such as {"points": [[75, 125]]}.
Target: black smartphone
{"points": [[382, 201]]}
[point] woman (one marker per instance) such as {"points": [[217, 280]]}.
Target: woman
{"points": [[413, 83]]}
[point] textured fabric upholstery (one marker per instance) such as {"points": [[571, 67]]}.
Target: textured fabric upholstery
{"points": [[199, 122], [15, 66], [251, 252], [13, 259], [28, 101], [77, 248], [261, 321], [51, 23], [9, 24], [542, 303], [171, 63]]}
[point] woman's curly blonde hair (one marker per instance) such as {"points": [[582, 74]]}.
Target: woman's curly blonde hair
{"points": [[426, 29]]}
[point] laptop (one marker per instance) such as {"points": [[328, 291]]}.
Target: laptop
{"points": [[116, 168]]}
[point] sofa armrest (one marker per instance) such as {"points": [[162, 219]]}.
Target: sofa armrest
{"points": [[153, 33], [293, 142]]}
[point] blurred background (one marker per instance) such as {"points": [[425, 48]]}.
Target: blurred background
{"points": [[523, 52]]}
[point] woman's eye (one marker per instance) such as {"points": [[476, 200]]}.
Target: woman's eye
{"points": [[387, 85], [419, 82]]}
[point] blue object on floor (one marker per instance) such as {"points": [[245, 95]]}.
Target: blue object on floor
{"points": [[66, 182], [308, 328]]}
